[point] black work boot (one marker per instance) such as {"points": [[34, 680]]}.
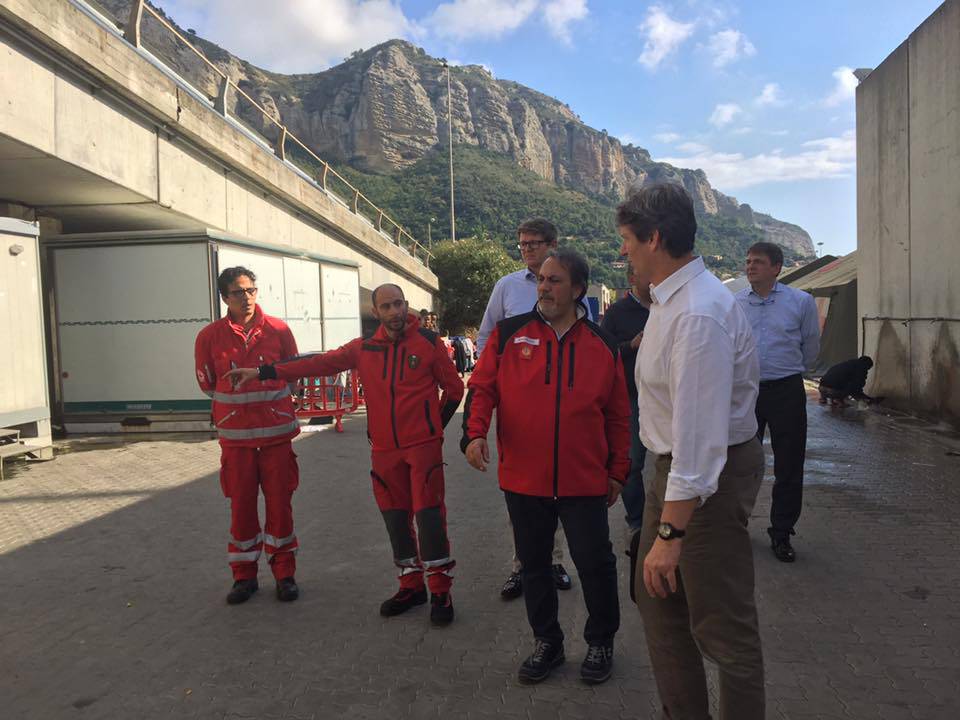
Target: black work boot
{"points": [[560, 578], [780, 544], [597, 665], [512, 588], [287, 590], [241, 591], [403, 601], [441, 609], [545, 657]]}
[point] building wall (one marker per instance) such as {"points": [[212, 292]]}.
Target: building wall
{"points": [[908, 181]]}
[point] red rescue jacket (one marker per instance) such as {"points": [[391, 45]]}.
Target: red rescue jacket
{"points": [[257, 413], [562, 409], [400, 380]]}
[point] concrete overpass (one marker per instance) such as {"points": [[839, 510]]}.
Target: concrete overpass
{"points": [[143, 187], [97, 135]]}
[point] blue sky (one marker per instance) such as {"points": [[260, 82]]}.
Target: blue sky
{"points": [[757, 94]]}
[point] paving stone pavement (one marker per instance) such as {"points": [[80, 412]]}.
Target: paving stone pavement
{"points": [[114, 576]]}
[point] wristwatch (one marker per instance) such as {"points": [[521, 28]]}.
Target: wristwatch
{"points": [[666, 531]]}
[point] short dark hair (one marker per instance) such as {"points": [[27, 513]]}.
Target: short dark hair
{"points": [[229, 276], [576, 265], [666, 207], [539, 226], [771, 250], [378, 288]]}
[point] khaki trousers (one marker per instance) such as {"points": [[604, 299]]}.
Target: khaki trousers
{"points": [[713, 613]]}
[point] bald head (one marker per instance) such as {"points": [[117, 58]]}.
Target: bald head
{"points": [[377, 290]]}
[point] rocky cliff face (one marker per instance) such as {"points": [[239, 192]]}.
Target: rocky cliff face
{"points": [[386, 108]]}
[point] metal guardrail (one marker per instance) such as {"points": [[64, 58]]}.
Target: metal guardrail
{"points": [[356, 201]]}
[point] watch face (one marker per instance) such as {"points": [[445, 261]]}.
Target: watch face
{"points": [[664, 531]]}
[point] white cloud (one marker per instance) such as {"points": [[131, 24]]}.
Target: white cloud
{"points": [[729, 45], [825, 158], [692, 148], [844, 89], [472, 19], [299, 35], [559, 14], [724, 113], [746, 130], [664, 36], [770, 95], [667, 137]]}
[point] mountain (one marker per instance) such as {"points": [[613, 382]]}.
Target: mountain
{"points": [[383, 111]]}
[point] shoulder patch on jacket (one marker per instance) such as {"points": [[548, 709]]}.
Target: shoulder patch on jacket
{"points": [[430, 335], [609, 340], [509, 327]]}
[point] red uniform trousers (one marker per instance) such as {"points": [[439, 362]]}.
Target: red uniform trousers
{"points": [[243, 471], [408, 484]]}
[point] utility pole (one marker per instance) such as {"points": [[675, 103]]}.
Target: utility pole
{"points": [[453, 216], [820, 248]]}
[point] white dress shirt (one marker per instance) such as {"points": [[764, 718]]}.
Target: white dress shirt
{"points": [[697, 377], [514, 294]]}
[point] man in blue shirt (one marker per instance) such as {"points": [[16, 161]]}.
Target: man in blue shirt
{"points": [[786, 328]]}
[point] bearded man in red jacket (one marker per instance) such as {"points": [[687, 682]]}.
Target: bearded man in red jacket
{"points": [[401, 366], [557, 385]]}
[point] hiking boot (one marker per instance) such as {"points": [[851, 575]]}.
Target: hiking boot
{"points": [[560, 578], [241, 591], [783, 550], [287, 590], [512, 588], [597, 665], [403, 601], [441, 609], [545, 657]]}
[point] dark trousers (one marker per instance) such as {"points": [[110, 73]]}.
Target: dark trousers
{"points": [[782, 405], [633, 493], [585, 524]]}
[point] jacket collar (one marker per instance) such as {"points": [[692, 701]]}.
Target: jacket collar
{"points": [[258, 320]]}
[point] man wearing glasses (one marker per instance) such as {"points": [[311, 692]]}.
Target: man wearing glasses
{"points": [[516, 294], [256, 424]]}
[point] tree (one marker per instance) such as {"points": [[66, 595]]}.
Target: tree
{"points": [[467, 271]]}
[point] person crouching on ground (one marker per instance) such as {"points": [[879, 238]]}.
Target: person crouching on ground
{"points": [[556, 382], [401, 365]]}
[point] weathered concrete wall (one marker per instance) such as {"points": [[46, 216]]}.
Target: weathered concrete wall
{"points": [[149, 136], [908, 208]]}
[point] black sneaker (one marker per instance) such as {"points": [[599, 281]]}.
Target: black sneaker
{"points": [[783, 550], [561, 578], [441, 609], [512, 588], [545, 657], [287, 590], [597, 665], [403, 601], [241, 591]]}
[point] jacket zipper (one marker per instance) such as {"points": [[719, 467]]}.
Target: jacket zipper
{"points": [[556, 426], [546, 380], [386, 351], [573, 348], [426, 411], [403, 362], [227, 417], [393, 395]]}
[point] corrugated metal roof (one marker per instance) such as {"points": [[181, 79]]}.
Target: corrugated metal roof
{"points": [[839, 272], [792, 276]]}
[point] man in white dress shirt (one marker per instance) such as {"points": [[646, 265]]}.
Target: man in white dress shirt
{"points": [[697, 375], [516, 294]]}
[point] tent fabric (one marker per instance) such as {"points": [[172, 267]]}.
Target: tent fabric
{"points": [[834, 285], [791, 276]]}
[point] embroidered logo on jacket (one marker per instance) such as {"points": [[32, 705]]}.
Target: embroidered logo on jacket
{"points": [[413, 362]]}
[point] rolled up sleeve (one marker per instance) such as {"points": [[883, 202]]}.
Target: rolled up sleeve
{"points": [[701, 387]]}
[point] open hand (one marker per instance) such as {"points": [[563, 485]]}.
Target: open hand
{"points": [[614, 488], [660, 567], [238, 376]]}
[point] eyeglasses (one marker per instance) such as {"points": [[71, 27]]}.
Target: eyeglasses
{"points": [[238, 294], [531, 244]]}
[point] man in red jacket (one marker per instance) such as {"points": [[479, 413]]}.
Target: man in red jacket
{"points": [[255, 424], [401, 367], [557, 384]]}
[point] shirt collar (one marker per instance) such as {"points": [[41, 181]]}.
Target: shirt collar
{"points": [[777, 287], [661, 294]]}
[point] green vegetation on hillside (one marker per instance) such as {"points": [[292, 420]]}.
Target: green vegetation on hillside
{"points": [[493, 195]]}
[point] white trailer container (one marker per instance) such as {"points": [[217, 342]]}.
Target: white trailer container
{"points": [[128, 307], [24, 402]]}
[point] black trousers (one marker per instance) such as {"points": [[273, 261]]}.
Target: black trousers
{"points": [[782, 406], [585, 524]]}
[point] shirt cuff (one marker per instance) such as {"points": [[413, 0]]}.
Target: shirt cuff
{"points": [[682, 487]]}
